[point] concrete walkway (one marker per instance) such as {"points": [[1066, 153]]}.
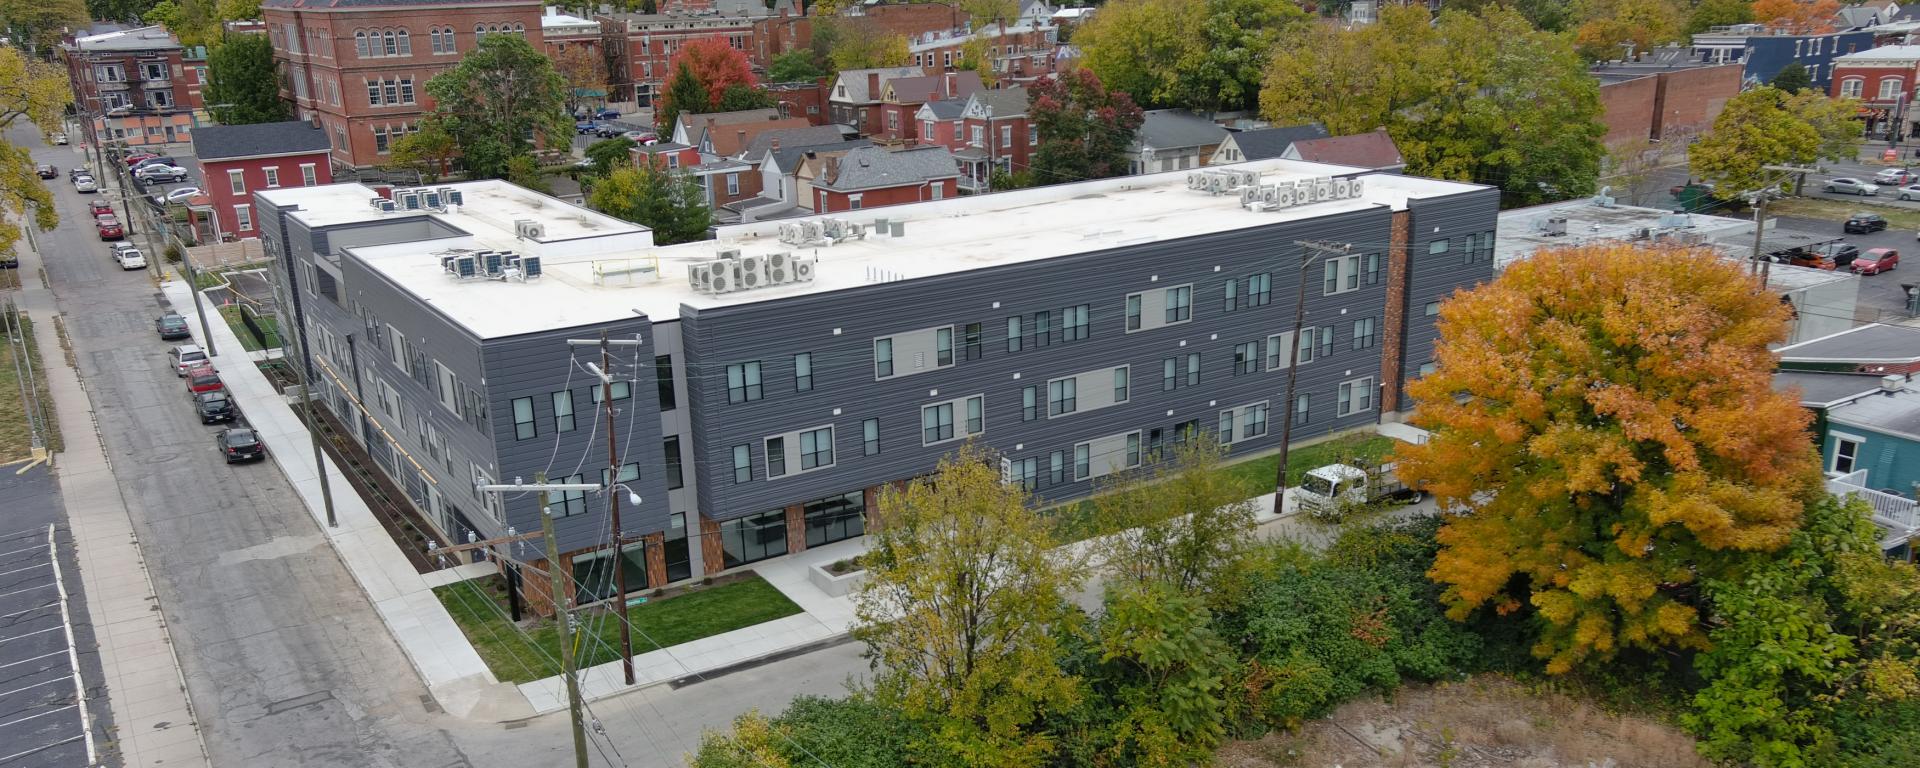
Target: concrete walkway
{"points": [[145, 690]]}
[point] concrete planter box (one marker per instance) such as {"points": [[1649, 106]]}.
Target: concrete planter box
{"points": [[837, 585]]}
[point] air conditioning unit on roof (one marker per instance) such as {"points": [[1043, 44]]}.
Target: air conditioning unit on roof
{"points": [[1342, 189], [752, 271], [803, 269], [779, 268]]}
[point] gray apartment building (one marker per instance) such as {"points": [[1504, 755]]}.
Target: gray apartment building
{"points": [[1075, 330]]}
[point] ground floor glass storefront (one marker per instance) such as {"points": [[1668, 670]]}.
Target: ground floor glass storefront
{"points": [[593, 573], [835, 518], [753, 538]]}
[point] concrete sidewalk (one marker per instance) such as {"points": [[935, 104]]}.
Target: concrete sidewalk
{"points": [[145, 689]]}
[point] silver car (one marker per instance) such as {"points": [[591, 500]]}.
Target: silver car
{"points": [[1851, 186], [85, 184], [186, 356]]}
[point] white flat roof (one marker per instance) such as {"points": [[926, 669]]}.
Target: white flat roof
{"points": [[601, 284]]}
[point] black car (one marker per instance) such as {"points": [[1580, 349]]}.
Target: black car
{"points": [[1842, 254], [214, 408], [240, 444], [171, 326], [1862, 223], [47, 171]]}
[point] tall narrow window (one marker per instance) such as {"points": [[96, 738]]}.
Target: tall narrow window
{"points": [[1193, 369], [803, 372], [882, 358], [1082, 461], [976, 415], [1014, 333], [743, 464], [1230, 296], [870, 436], [523, 427], [776, 456], [1030, 403], [1133, 312], [943, 346], [1120, 384], [1169, 374], [563, 411], [676, 475], [1057, 467], [1042, 328], [663, 376], [975, 348], [1301, 406]]}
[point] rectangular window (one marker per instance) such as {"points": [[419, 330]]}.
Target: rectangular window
{"points": [[1014, 334], [1042, 328], [523, 427], [1370, 268], [676, 475], [1120, 384], [1433, 308], [975, 348], [835, 518], [243, 217], [236, 181], [1006, 136], [1169, 374], [663, 376], [1355, 396], [1363, 333], [776, 457], [406, 90], [936, 423], [1230, 295], [1073, 323], [628, 473], [870, 436], [621, 391], [273, 177], [563, 411], [1331, 271], [1133, 449], [1057, 467], [1225, 432], [943, 347], [380, 139], [803, 372], [743, 382], [1260, 290], [1301, 407], [976, 415], [1246, 358], [309, 176], [753, 538], [816, 448], [1278, 347], [882, 358], [1133, 312], [1082, 461], [569, 503], [1846, 455], [743, 464], [1062, 396], [1326, 342], [1027, 471], [1255, 424], [1030, 403], [1193, 369], [733, 184], [1179, 304]]}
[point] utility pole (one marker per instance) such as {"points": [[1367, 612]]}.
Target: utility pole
{"points": [[562, 604], [605, 372], [1761, 263], [193, 285], [1310, 254]]}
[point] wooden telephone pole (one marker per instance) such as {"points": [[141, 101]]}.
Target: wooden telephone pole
{"points": [[1310, 254]]}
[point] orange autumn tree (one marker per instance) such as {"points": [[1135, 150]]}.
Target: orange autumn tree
{"points": [[1798, 17], [1604, 422]]}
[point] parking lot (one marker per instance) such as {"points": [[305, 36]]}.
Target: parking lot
{"points": [[44, 720]]}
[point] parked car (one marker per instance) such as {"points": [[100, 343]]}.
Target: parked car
{"points": [[85, 184], [59, 139], [240, 444], [642, 137], [9, 260], [203, 378], [584, 127], [609, 130], [77, 173], [1851, 186], [136, 157], [607, 114], [99, 206], [1809, 258], [114, 248], [1841, 254], [161, 174], [1863, 223], [47, 171], [109, 227], [214, 407], [156, 160], [186, 356], [1894, 177], [130, 259], [172, 327], [1875, 261], [182, 194]]}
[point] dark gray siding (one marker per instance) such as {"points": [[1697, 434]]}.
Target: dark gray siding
{"points": [[772, 332], [1431, 278], [540, 364]]}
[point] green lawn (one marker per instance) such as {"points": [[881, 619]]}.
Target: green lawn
{"points": [[1836, 210], [517, 656], [16, 437], [272, 327], [1254, 476]]}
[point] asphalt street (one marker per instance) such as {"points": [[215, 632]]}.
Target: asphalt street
{"points": [[46, 709], [285, 661]]}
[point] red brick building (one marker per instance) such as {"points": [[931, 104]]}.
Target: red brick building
{"points": [[986, 131], [855, 99], [361, 66], [1883, 79], [902, 97], [808, 100], [137, 85], [1660, 102], [1020, 53], [871, 177], [237, 160], [780, 34], [910, 19], [639, 46]]}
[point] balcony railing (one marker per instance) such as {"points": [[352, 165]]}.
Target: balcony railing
{"points": [[1898, 514]]}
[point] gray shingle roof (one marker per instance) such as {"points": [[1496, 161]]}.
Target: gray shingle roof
{"points": [[1177, 129], [220, 142], [855, 81], [1896, 413], [1820, 389], [789, 137], [1269, 143], [1003, 102], [1867, 343], [788, 158], [873, 167], [947, 109]]}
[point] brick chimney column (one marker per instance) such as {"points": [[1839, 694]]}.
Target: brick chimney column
{"points": [[1393, 352]]}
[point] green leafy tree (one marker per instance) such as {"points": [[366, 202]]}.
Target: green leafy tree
{"points": [[38, 24], [963, 613], [244, 88], [1084, 127], [497, 100], [1203, 54], [430, 150], [1166, 671], [1715, 13], [608, 154], [1182, 521], [854, 732], [1766, 126], [1792, 78], [739, 97], [1623, 441], [37, 92], [1476, 98], [795, 67], [117, 10], [865, 46], [524, 171], [668, 202]]}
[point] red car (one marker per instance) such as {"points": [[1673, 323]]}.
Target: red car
{"points": [[202, 378], [137, 157], [1876, 261], [99, 207], [110, 228]]}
